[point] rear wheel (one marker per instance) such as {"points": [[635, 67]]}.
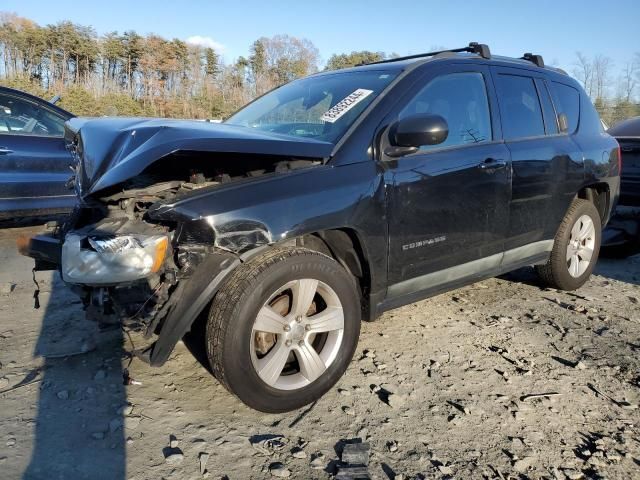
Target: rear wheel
{"points": [[575, 248], [283, 328]]}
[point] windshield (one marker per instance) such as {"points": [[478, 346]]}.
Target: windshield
{"points": [[320, 107]]}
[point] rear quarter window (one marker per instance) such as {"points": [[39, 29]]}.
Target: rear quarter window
{"points": [[568, 102]]}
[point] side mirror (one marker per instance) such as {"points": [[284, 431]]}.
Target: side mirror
{"points": [[408, 134]]}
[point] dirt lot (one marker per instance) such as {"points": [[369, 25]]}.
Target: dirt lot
{"points": [[445, 388]]}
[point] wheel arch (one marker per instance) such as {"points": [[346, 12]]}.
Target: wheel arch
{"points": [[599, 194], [346, 247], [343, 245]]}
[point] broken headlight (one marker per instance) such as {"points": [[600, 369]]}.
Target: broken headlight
{"points": [[107, 260]]}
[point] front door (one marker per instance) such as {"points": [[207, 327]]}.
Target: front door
{"points": [[448, 204]]}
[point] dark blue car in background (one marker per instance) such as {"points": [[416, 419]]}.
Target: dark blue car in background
{"points": [[622, 236], [34, 163]]}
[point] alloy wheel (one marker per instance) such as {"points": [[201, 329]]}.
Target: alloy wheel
{"points": [[297, 334], [581, 245]]}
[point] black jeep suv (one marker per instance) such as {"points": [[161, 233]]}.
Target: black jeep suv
{"points": [[330, 200]]}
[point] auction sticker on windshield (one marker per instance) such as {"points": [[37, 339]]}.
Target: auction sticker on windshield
{"points": [[344, 105]]}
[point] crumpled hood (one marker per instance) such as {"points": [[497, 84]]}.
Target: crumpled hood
{"points": [[113, 150]]}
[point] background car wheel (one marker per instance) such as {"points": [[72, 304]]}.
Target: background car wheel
{"points": [[283, 328], [575, 248]]}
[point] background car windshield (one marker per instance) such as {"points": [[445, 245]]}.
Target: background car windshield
{"points": [[321, 107]]}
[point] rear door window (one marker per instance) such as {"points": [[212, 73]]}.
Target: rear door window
{"points": [[519, 107], [568, 102]]}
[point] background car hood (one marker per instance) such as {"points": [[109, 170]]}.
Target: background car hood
{"points": [[112, 150]]}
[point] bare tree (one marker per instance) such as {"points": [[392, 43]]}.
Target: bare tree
{"points": [[601, 70], [583, 71], [637, 62], [629, 80], [287, 58]]}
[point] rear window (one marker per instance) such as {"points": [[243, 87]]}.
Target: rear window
{"points": [[568, 102], [520, 107]]}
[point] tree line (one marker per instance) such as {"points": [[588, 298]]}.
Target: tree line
{"points": [[616, 97], [131, 74]]}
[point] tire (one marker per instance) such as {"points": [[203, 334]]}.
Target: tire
{"points": [[566, 268], [270, 291]]}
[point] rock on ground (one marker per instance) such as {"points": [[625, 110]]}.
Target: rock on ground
{"points": [[489, 381]]}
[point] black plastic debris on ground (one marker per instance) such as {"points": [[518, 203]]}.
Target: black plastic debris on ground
{"points": [[355, 459]]}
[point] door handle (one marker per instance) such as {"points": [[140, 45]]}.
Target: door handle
{"points": [[5, 150], [492, 164]]}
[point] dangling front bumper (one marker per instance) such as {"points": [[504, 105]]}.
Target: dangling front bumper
{"points": [[46, 250]]}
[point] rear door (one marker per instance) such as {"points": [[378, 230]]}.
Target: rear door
{"points": [[34, 163], [547, 165]]}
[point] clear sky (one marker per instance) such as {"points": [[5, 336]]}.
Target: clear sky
{"points": [[554, 28]]}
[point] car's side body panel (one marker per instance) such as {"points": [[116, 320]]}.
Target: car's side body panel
{"points": [[444, 210], [33, 177], [445, 207], [543, 170], [34, 169], [312, 200], [290, 205]]}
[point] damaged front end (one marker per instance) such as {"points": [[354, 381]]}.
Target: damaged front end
{"points": [[131, 271], [133, 261]]}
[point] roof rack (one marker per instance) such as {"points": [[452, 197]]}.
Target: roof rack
{"points": [[535, 59], [474, 47]]}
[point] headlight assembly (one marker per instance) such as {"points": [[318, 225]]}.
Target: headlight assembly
{"points": [[107, 260]]}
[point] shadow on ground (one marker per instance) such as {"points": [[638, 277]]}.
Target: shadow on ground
{"points": [[79, 425], [623, 269]]}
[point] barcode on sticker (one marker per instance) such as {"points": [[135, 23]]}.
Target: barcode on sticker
{"points": [[344, 105]]}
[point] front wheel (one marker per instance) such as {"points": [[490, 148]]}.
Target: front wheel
{"points": [[283, 328], [575, 248]]}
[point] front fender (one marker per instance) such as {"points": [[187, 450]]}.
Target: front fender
{"points": [[192, 295], [271, 209], [242, 218]]}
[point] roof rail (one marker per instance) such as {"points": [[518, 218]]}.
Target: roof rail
{"points": [[474, 47], [535, 59]]}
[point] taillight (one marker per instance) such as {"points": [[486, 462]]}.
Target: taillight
{"points": [[619, 160]]}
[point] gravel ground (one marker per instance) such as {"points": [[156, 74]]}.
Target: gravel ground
{"points": [[501, 379]]}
